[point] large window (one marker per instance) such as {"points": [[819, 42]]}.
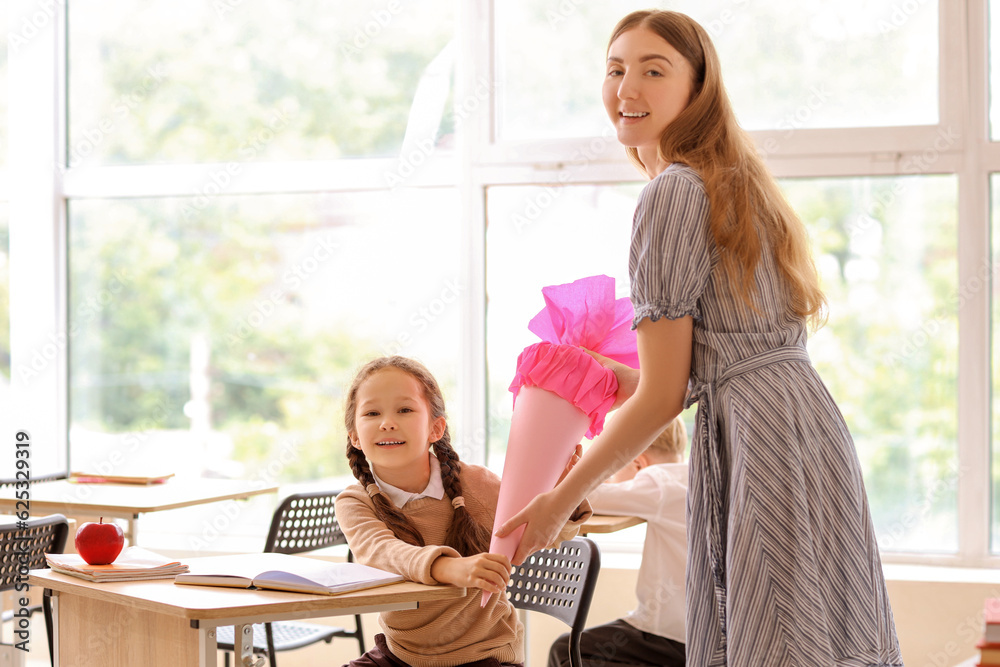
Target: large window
{"points": [[886, 248], [230, 333], [227, 334], [243, 201], [887, 254], [163, 81], [788, 64]]}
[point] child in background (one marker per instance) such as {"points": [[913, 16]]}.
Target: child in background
{"points": [[426, 517], [653, 487]]}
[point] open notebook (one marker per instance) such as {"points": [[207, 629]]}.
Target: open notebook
{"points": [[284, 572]]}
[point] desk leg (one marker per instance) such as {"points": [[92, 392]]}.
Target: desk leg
{"points": [[243, 650], [54, 637], [131, 530], [208, 650]]}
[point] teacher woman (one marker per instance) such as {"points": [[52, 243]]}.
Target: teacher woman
{"points": [[783, 564]]}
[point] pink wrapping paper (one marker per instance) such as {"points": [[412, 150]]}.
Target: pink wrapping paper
{"points": [[584, 313], [561, 393]]}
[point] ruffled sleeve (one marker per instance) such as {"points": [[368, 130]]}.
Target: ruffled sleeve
{"points": [[670, 256]]}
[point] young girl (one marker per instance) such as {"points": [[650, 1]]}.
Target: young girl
{"points": [[420, 512], [783, 566]]}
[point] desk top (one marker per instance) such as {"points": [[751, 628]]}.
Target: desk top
{"points": [[208, 603], [605, 523], [68, 497]]}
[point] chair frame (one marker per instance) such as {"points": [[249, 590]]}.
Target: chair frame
{"points": [[44, 535], [559, 582], [285, 536]]}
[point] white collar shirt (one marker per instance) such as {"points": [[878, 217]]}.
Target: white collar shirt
{"points": [[399, 497]]}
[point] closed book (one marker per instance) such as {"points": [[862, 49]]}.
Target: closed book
{"points": [[134, 563], [283, 572], [989, 654]]}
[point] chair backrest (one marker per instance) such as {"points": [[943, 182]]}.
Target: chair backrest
{"points": [[24, 547], [303, 522], [559, 582]]}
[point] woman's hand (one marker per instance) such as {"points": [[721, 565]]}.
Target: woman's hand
{"points": [[542, 518], [628, 377], [537, 534], [490, 572]]}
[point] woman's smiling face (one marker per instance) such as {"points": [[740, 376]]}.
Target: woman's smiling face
{"points": [[648, 84]]}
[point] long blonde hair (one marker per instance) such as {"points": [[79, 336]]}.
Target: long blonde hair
{"points": [[746, 206]]}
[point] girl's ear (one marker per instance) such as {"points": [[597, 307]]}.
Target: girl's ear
{"points": [[354, 440], [438, 426]]}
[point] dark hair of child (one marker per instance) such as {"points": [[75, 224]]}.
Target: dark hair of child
{"points": [[464, 535]]}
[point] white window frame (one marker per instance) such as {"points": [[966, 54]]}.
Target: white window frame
{"points": [[38, 195]]}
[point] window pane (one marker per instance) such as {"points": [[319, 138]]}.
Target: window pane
{"points": [[787, 65], [166, 81], [226, 337], [886, 249]]}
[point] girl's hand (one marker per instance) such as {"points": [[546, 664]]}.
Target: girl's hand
{"points": [[490, 572], [628, 377], [573, 460], [544, 518]]}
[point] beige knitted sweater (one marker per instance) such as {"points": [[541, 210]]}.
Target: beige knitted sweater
{"points": [[448, 632]]}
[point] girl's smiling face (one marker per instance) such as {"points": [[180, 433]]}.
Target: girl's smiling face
{"points": [[394, 428], [648, 84]]}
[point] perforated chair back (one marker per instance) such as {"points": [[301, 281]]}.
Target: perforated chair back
{"points": [[559, 582], [304, 522], [27, 546]]}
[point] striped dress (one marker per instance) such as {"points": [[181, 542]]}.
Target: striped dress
{"points": [[783, 567]]}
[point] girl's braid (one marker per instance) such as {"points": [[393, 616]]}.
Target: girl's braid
{"points": [[392, 517], [465, 535]]}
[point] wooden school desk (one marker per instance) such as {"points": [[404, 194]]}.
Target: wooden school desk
{"points": [[606, 523], [128, 501], [158, 623]]}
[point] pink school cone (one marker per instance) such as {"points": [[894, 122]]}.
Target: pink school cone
{"points": [[544, 430]]}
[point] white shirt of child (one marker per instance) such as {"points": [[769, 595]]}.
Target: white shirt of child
{"points": [[658, 494], [399, 497]]}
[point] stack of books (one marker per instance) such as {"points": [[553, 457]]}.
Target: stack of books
{"points": [[989, 645], [133, 564]]}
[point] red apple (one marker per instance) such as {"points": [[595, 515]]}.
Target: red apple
{"points": [[99, 543]]}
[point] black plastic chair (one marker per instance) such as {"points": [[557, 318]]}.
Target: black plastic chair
{"points": [[559, 582], [24, 548], [303, 522]]}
